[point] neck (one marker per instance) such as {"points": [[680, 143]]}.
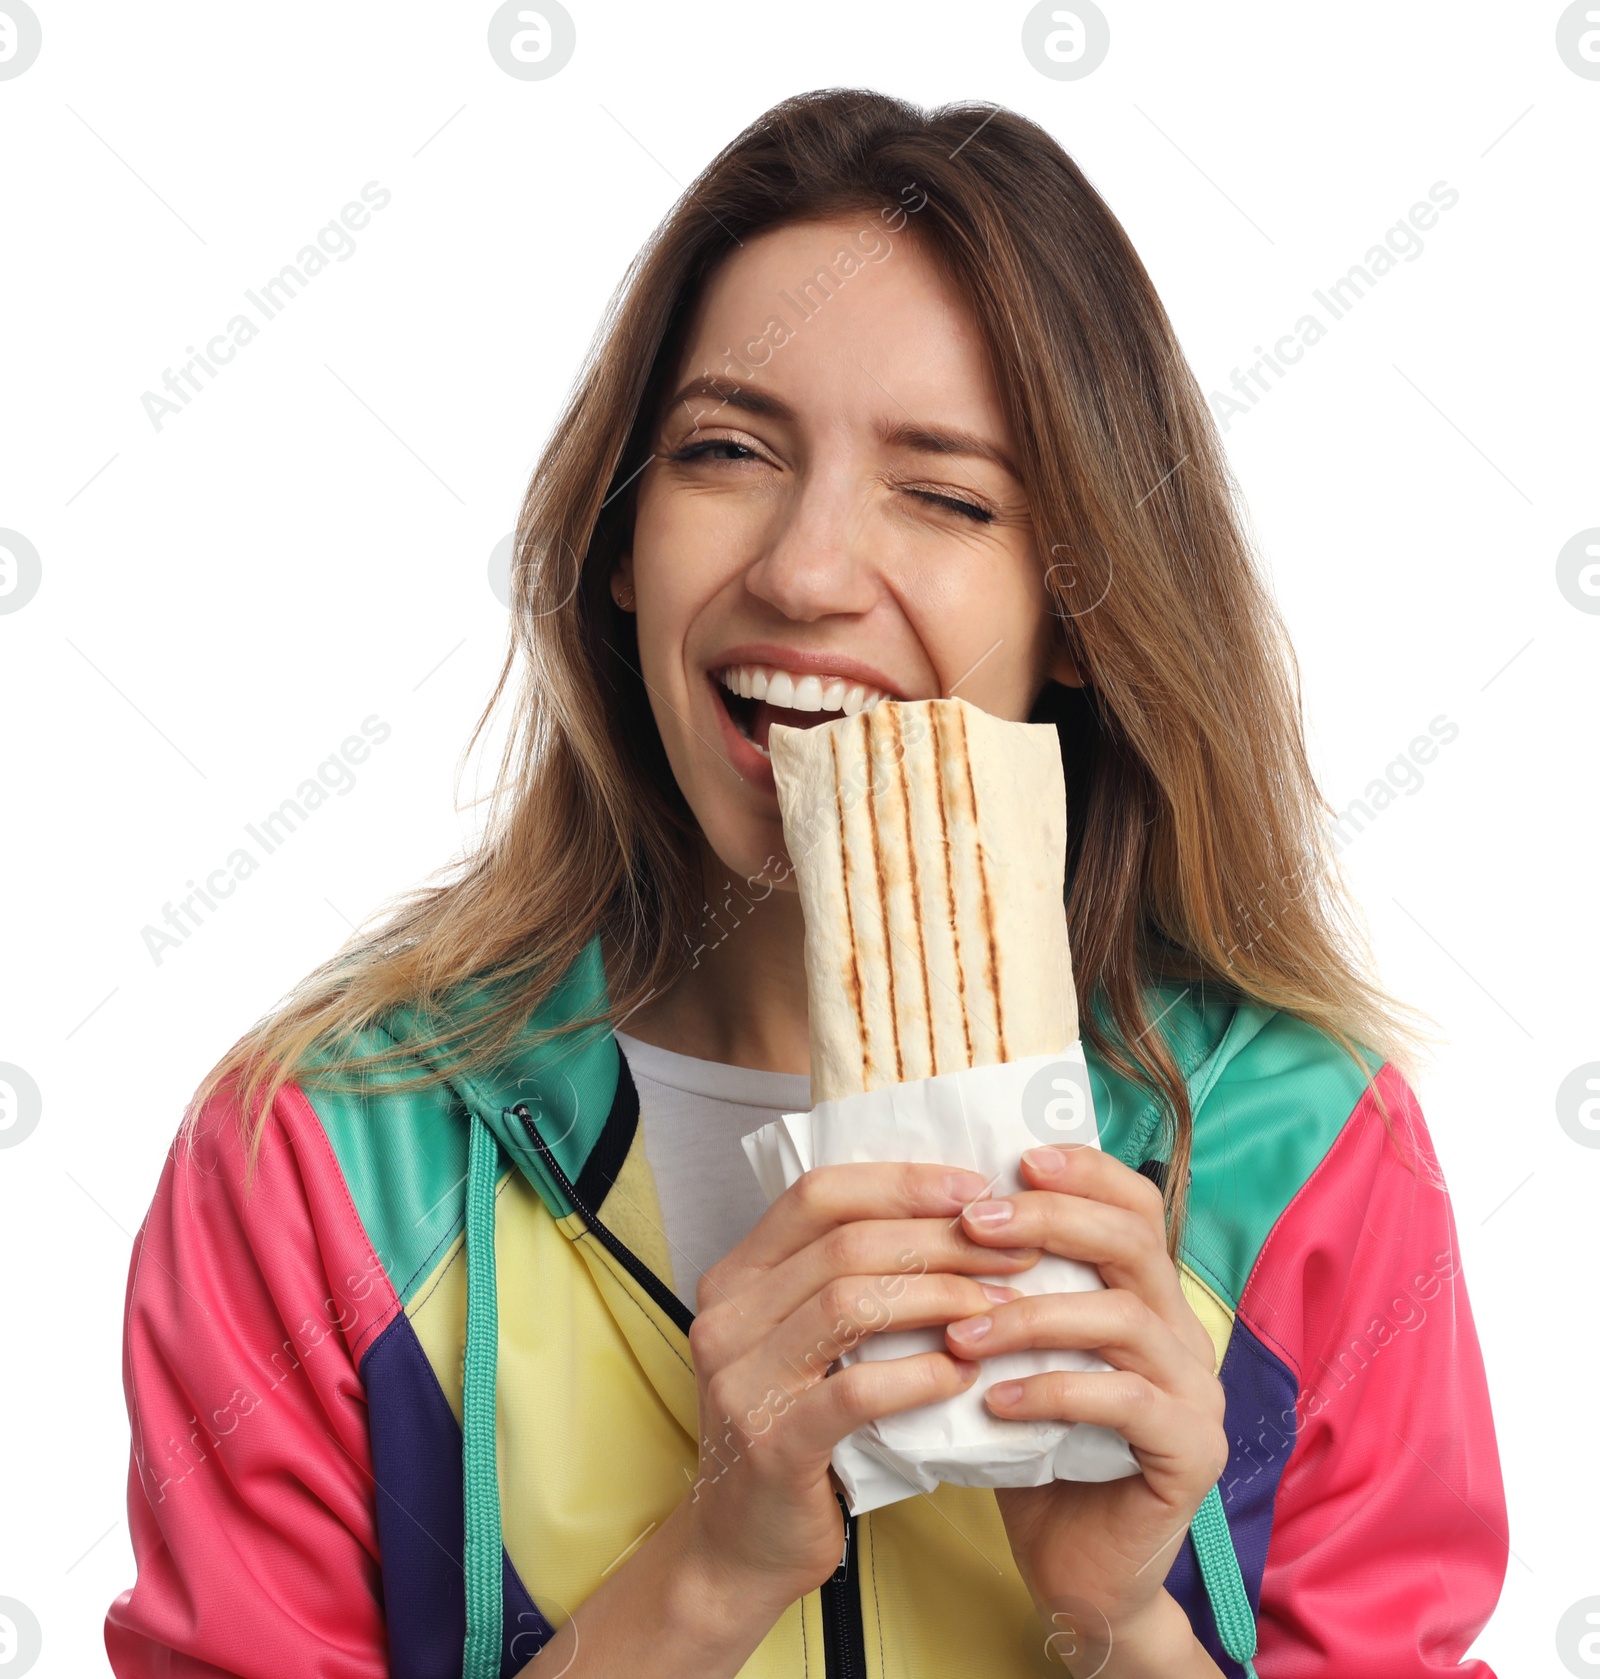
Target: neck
{"points": [[742, 999]]}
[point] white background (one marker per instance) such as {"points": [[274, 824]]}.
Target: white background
{"points": [[306, 545]]}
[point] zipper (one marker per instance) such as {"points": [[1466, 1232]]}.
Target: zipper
{"points": [[843, 1639], [844, 1645], [658, 1291]]}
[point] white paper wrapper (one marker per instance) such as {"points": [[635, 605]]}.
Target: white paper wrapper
{"points": [[982, 1118]]}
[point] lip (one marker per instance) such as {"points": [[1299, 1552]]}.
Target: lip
{"points": [[805, 664], [742, 754]]}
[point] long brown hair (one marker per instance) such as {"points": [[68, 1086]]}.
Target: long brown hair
{"points": [[1199, 849]]}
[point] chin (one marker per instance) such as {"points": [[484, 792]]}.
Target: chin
{"points": [[749, 851]]}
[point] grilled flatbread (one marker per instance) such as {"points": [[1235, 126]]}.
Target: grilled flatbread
{"points": [[929, 841]]}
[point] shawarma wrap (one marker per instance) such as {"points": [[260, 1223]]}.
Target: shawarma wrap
{"points": [[929, 844]]}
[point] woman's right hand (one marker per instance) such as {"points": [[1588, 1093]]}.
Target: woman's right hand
{"points": [[843, 1253]]}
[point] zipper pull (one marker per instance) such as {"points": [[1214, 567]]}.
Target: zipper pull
{"points": [[842, 1572]]}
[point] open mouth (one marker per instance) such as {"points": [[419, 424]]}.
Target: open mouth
{"points": [[757, 696]]}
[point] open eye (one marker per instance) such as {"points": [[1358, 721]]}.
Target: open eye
{"points": [[704, 450]]}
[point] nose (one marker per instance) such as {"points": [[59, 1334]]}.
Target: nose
{"points": [[818, 562]]}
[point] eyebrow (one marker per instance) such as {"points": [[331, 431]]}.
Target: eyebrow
{"points": [[917, 436]]}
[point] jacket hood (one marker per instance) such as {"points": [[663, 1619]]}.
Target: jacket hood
{"points": [[568, 1082], [1206, 1026]]}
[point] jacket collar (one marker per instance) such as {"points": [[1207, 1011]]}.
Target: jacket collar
{"points": [[568, 1083], [1205, 1025], [576, 1089]]}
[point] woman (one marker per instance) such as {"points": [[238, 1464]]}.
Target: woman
{"points": [[459, 1338]]}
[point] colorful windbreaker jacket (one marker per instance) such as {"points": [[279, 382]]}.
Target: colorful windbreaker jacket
{"points": [[398, 1407]]}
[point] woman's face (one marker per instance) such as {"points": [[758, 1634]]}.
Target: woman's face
{"points": [[829, 517]]}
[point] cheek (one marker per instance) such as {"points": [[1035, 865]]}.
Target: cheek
{"points": [[665, 588], [985, 625], [685, 552]]}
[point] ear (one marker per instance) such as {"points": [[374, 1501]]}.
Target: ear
{"points": [[622, 583], [1063, 667]]}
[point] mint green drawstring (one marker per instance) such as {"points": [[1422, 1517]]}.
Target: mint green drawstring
{"points": [[1219, 1568], [481, 1547]]}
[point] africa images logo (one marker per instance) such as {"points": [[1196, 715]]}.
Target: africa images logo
{"points": [[334, 242], [20, 38], [335, 777]]}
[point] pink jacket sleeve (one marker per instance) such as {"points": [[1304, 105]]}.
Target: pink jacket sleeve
{"points": [[1389, 1538], [250, 1495]]}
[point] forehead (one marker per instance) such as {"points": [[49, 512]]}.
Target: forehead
{"points": [[841, 315]]}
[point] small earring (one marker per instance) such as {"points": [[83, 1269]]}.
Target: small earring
{"points": [[623, 596]]}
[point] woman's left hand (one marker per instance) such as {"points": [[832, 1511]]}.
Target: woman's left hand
{"points": [[1095, 1554]]}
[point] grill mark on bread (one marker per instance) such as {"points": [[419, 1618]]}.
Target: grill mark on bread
{"points": [[857, 997], [985, 894], [883, 894], [949, 877], [916, 887]]}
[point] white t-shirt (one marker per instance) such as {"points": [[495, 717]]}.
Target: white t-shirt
{"points": [[693, 1114]]}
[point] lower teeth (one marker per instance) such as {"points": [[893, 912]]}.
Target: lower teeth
{"points": [[739, 724], [759, 748]]}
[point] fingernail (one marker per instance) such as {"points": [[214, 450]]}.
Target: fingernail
{"points": [[1049, 1160], [999, 1294], [990, 1213], [965, 1368], [963, 1187], [1005, 1393], [972, 1329]]}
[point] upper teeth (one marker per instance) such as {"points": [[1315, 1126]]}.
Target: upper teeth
{"points": [[799, 693]]}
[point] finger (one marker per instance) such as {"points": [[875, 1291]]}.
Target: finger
{"points": [[1115, 1323], [849, 1310], [800, 1417], [872, 1388], [1095, 1175], [739, 1309], [1091, 1171], [832, 1195], [1129, 1249], [1177, 1448], [765, 1382], [885, 1249]]}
